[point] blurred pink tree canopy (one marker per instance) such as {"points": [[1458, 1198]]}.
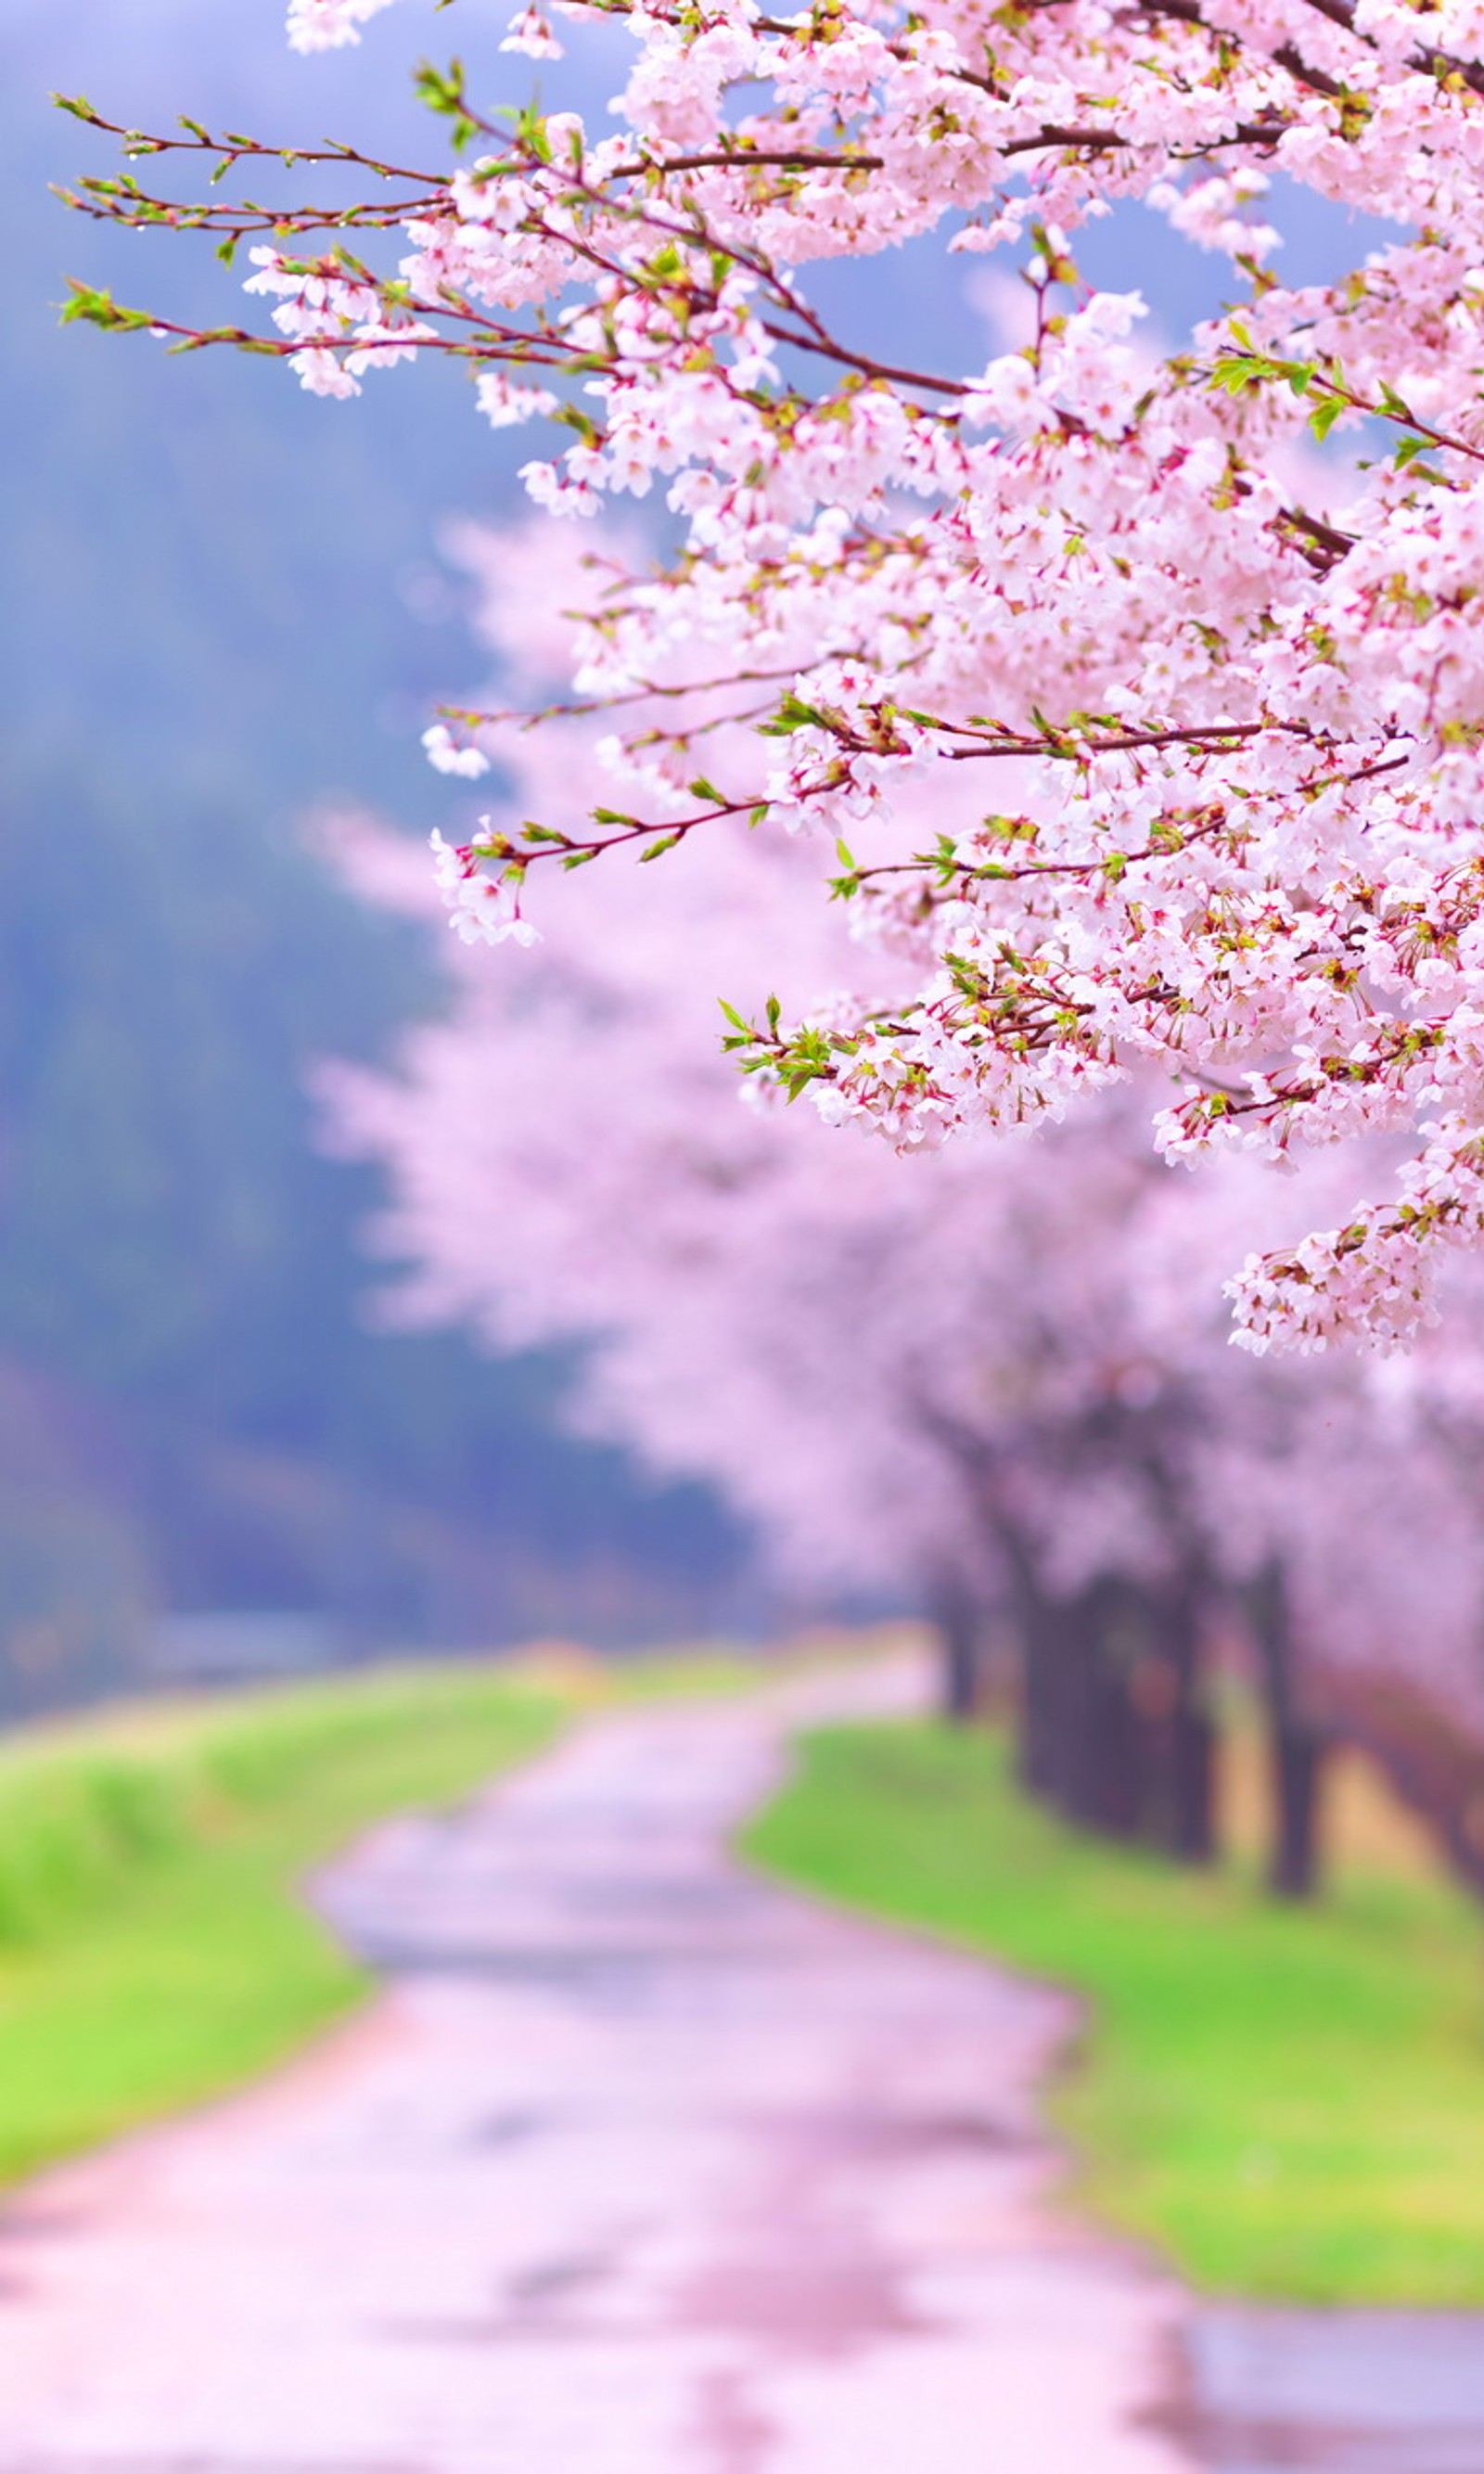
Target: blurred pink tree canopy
{"points": [[997, 1378], [1140, 712]]}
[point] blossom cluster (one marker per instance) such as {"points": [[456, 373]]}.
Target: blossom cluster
{"points": [[997, 1377], [321, 25], [1187, 644]]}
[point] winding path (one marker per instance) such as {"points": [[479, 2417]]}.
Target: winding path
{"points": [[638, 2165]]}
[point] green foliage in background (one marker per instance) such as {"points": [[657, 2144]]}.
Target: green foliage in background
{"points": [[1289, 2101], [153, 1948]]}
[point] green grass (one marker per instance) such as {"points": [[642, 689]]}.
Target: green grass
{"points": [[1288, 2102], [153, 1950]]}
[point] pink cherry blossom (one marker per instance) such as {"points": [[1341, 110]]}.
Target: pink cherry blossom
{"points": [[1000, 1373], [1150, 671], [318, 25]]}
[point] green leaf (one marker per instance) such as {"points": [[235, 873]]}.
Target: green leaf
{"points": [[532, 130], [1408, 451], [99, 308], [1236, 373], [1324, 415], [442, 92], [792, 714]]}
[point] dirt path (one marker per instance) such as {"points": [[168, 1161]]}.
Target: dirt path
{"points": [[637, 2167]]}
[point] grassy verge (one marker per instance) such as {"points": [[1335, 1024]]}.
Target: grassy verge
{"points": [[1289, 2103], [152, 1950]]}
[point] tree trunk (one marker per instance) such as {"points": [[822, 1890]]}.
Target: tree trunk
{"points": [[1088, 1744], [1041, 1641], [1296, 1747], [1098, 1771], [1115, 1767], [1062, 1656], [1184, 1814], [1297, 1757], [956, 1620]]}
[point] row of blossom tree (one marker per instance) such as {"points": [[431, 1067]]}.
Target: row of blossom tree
{"points": [[997, 1380]]}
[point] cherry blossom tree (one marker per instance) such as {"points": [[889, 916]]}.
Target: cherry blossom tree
{"points": [[1135, 683], [994, 1380]]}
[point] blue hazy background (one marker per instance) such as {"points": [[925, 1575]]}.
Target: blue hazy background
{"points": [[222, 605]]}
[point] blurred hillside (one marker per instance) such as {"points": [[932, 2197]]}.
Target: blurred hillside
{"points": [[221, 605]]}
